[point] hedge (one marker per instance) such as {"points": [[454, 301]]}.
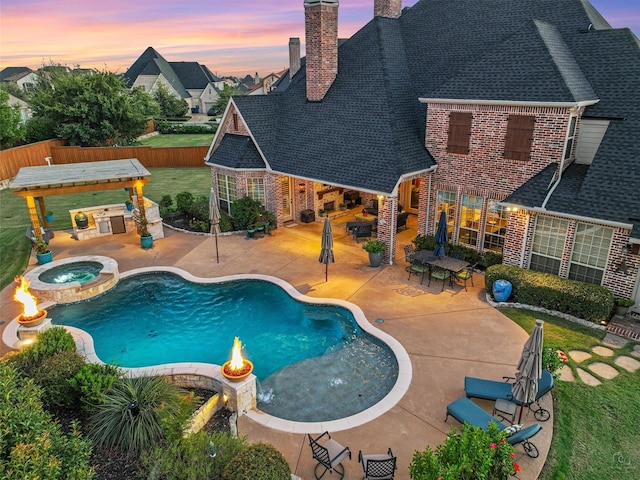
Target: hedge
{"points": [[591, 302]]}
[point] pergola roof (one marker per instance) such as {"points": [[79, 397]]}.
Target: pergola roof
{"points": [[79, 177]]}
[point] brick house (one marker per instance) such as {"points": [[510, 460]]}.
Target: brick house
{"points": [[519, 119]]}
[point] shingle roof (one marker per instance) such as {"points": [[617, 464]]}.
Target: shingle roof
{"points": [[237, 151], [8, 72], [192, 74]]}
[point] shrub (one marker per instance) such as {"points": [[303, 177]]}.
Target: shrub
{"points": [[184, 200], [491, 258], [424, 242], [189, 457], [128, 420], [166, 204], [31, 445], [473, 453], [374, 246], [583, 300], [54, 373], [259, 461], [243, 212], [225, 222], [49, 342], [92, 381], [551, 361], [173, 420], [181, 128], [199, 209]]}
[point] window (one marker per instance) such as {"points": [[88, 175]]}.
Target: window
{"points": [[470, 219], [517, 145], [495, 227], [571, 134], [255, 189], [446, 201], [459, 132], [226, 192], [548, 244], [590, 250], [235, 122]]}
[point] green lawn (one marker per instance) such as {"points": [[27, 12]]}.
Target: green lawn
{"points": [[14, 216], [186, 140], [595, 433]]}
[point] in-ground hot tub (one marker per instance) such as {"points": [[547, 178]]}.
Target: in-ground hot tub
{"points": [[73, 279]]}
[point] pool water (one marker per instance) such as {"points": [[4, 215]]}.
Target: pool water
{"points": [[296, 348], [72, 272]]}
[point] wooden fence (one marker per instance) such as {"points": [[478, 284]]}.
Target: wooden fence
{"points": [[13, 159]]}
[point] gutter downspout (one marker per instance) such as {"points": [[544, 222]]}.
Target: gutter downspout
{"points": [[393, 232], [523, 249], [426, 222]]}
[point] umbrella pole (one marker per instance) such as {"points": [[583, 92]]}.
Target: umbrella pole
{"points": [[326, 272], [217, 257]]}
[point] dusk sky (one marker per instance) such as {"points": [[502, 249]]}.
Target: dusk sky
{"points": [[231, 38]]}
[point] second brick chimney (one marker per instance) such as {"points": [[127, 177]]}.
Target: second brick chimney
{"points": [[321, 31], [294, 56], [387, 8]]}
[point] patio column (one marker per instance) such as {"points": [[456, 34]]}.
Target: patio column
{"points": [[35, 221], [43, 209]]}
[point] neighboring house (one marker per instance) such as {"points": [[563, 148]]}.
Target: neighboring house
{"points": [[266, 85], [519, 119], [190, 81], [25, 110], [24, 77]]}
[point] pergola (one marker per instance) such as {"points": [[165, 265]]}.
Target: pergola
{"points": [[35, 183]]}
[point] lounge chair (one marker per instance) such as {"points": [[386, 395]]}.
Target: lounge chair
{"points": [[329, 455], [378, 466], [493, 390], [465, 411], [362, 230]]}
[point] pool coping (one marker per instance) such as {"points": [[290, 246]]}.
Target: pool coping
{"points": [[84, 344]]}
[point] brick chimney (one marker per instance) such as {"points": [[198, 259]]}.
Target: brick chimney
{"points": [[294, 56], [321, 31], [387, 8]]}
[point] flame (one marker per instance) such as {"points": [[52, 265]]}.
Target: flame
{"points": [[237, 362], [28, 301]]}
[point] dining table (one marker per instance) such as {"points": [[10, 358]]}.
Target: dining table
{"points": [[426, 257]]}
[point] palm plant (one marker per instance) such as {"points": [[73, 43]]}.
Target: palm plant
{"points": [[129, 418]]}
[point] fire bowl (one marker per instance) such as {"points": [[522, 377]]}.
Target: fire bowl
{"points": [[37, 319], [236, 375]]}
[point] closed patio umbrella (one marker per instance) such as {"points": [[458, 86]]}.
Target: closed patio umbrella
{"points": [[529, 369], [326, 251], [441, 235], [214, 219]]}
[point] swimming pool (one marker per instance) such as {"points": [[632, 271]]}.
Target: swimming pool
{"points": [[299, 350]]}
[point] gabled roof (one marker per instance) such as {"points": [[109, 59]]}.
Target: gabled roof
{"points": [[237, 151], [7, 73], [193, 75]]}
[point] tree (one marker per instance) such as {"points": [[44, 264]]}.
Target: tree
{"points": [[11, 130], [225, 95], [171, 106], [91, 109]]}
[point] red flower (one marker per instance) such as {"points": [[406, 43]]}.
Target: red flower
{"points": [[493, 445], [513, 455], [516, 467], [502, 440]]}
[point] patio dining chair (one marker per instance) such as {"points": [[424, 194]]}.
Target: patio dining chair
{"points": [[464, 275], [408, 250], [378, 466], [328, 454], [417, 268], [440, 274]]}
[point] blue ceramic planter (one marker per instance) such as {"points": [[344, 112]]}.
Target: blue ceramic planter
{"points": [[502, 290], [44, 257], [146, 242]]}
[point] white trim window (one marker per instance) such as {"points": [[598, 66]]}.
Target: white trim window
{"points": [[590, 251], [255, 189], [571, 135], [548, 244], [446, 201], [495, 228], [470, 210], [227, 192]]}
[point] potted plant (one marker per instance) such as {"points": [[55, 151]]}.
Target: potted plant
{"points": [[48, 216], [43, 252], [375, 248], [321, 212], [343, 206], [129, 205], [623, 305]]}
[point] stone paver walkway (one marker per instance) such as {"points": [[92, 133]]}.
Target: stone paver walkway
{"points": [[603, 370], [628, 363]]}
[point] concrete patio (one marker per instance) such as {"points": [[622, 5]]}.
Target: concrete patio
{"points": [[447, 334]]}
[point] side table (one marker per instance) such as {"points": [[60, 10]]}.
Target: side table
{"points": [[505, 409]]}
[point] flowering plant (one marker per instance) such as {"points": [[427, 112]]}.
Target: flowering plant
{"points": [[473, 453]]}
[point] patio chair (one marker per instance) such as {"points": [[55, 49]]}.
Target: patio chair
{"points": [[408, 250], [440, 274], [465, 275], [494, 390], [378, 466], [465, 411], [402, 221], [329, 455], [362, 230]]}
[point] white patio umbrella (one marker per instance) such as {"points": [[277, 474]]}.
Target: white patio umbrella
{"points": [[529, 369], [214, 219], [326, 251]]}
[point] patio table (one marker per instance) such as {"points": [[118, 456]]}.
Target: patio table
{"points": [[426, 257]]}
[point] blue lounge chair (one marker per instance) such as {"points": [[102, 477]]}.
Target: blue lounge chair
{"points": [[493, 390], [465, 411]]}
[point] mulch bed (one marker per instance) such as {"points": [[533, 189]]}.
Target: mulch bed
{"points": [[116, 465], [178, 220]]}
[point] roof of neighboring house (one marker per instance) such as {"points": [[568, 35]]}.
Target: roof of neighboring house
{"points": [[369, 129], [609, 188], [7, 73], [193, 75]]}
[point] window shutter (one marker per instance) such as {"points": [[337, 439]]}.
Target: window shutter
{"points": [[459, 132], [517, 145]]}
